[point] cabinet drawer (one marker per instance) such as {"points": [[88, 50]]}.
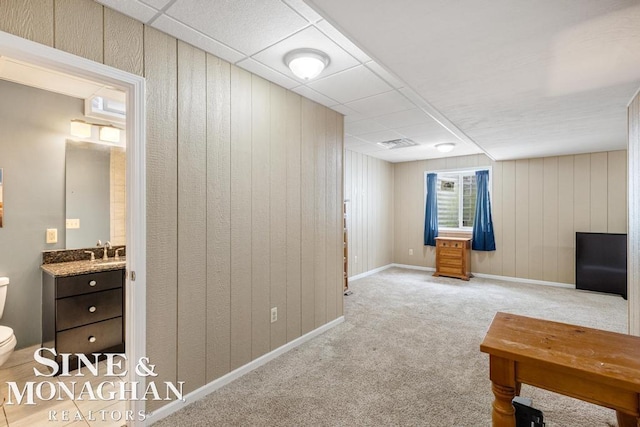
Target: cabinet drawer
{"points": [[450, 253], [451, 262], [89, 308], [92, 338], [450, 270], [87, 283]]}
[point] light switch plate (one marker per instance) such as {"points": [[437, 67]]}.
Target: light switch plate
{"points": [[52, 235]]}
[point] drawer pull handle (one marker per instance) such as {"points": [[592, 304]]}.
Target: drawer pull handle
{"points": [[93, 283], [92, 309], [92, 339]]}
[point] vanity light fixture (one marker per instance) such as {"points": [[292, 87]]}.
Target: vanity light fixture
{"points": [[445, 147], [306, 64], [109, 134], [80, 129]]}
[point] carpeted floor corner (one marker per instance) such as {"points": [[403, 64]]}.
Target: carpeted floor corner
{"points": [[407, 355]]}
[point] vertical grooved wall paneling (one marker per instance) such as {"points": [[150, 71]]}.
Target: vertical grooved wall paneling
{"points": [[633, 275], [320, 258], [550, 220], [218, 217], [192, 216], [260, 219], [340, 194], [293, 111], [537, 206], [278, 193], [536, 212], [123, 42], [29, 19], [369, 186], [332, 204], [234, 223], [241, 231], [160, 69], [79, 20], [307, 184]]}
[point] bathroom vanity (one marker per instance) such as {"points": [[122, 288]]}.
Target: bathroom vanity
{"points": [[83, 307]]}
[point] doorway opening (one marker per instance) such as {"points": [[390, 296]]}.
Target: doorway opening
{"points": [[132, 87]]}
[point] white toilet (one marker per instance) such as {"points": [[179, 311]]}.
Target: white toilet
{"points": [[8, 340]]}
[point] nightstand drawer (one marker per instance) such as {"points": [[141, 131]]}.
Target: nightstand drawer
{"points": [[451, 262], [450, 253], [456, 271], [87, 283], [89, 308], [93, 338]]}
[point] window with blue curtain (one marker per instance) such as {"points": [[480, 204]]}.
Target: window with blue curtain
{"points": [[483, 237], [431, 211]]}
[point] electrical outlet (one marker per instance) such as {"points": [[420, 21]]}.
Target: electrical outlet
{"points": [[73, 223], [410, 251], [52, 235], [274, 314], [355, 259]]}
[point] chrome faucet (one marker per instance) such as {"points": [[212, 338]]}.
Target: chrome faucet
{"points": [[117, 254], [93, 256], [107, 246]]}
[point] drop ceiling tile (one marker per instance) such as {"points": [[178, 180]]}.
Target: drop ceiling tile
{"points": [[308, 38], [247, 26], [362, 126], [355, 83], [428, 131], [384, 74], [351, 141], [303, 9], [378, 105], [313, 95], [366, 148], [132, 8], [266, 72], [184, 33], [348, 113], [404, 119], [380, 136], [343, 41], [158, 4]]}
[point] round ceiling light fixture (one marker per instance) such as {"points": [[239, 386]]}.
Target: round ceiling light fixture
{"points": [[306, 64], [445, 147]]}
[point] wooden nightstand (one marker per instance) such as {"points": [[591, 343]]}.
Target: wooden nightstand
{"points": [[453, 257]]}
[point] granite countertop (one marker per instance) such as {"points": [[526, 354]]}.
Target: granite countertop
{"points": [[74, 268]]}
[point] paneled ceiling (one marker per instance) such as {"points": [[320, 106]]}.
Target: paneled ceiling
{"points": [[512, 78], [257, 34]]}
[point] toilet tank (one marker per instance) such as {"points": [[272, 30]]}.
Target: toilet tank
{"points": [[4, 284]]}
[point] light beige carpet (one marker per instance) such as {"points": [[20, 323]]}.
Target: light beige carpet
{"points": [[407, 355]]}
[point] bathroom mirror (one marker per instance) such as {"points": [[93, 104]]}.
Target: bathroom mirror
{"points": [[95, 194], [1, 202]]}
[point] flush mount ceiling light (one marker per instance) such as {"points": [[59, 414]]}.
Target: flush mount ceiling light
{"points": [[445, 147], [306, 63]]}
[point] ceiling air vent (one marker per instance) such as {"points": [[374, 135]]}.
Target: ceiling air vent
{"points": [[397, 143]]}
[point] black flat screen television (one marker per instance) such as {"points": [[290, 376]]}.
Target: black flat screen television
{"points": [[601, 262]]}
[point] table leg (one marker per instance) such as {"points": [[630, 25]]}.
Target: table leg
{"points": [[503, 414], [505, 387], [625, 420]]}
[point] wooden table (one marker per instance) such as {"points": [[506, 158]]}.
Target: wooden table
{"points": [[589, 364]]}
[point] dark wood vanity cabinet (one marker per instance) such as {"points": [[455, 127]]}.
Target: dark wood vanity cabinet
{"points": [[83, 313]]}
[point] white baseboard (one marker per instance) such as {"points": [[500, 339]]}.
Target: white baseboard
{"points": [[493, 276], [203, 391], [528, 281], [370, 272], [413, 267]]}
